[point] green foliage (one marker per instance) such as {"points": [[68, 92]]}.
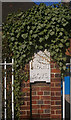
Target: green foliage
{"points": [[38, 28]]}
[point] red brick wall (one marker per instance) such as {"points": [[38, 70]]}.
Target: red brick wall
{"points": [[55, 92], [42, 100], [25, 107]]}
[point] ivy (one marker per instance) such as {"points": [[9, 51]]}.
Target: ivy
{"points": [[39, 28]]}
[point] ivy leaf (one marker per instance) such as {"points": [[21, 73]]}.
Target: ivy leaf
{"points": [[52, 53], [64, 67], [31, 31], [59, 21], [24, 55], [41, 33], [52, 33], [16, 31], [18, 35], [33, 27], [16, 43], [3, 36], [30, 43], [64, 58], [60, 64], [46, 45], [57, 50], [46, 37], [36, 46], [24, 35], [64, 24], [40, 40], [62, 29], [60, 45], [40, 47], [62, 40], [34, 35], [28, 27], [60, 33], [12, 38], [67, 44], [19, 14], [53, 18]]}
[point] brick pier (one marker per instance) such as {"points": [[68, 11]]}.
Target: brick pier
{"points": [[42, 100]]}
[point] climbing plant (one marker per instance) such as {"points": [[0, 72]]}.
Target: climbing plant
{"points": [[39, 28]]}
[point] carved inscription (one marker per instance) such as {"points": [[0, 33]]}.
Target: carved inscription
{"points": [[40, 67]]}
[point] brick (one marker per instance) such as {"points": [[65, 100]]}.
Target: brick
{"points": [[40, 93], [52, 84], [52, 93], [52, 112], [28, 113], [25, 99], [55, 71], [23, 112], [40, 102], [28, 94], [52, 75], [45, 97], [45, 88], [40, 111], [34, 102], [58, 84], [25, 107], [55, 107], [57, 75], [35, 97], [58, 102], [45, 115], [28, 103], [25, 89], [46, 93], [27, 85], [35, 115], [56, 117], [25, 94], [52, 102], [58, 93], [47, 102], [33, 93], [39, 84], [45, 106], [56, 79], [55, 89], [35, 106], [25, 117], [34, 111], [52, 66], [35, 88], [58, 111], [55, 98], [47, 111]]}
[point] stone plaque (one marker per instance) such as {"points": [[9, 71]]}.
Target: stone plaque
{"points": [[40, 67]]}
